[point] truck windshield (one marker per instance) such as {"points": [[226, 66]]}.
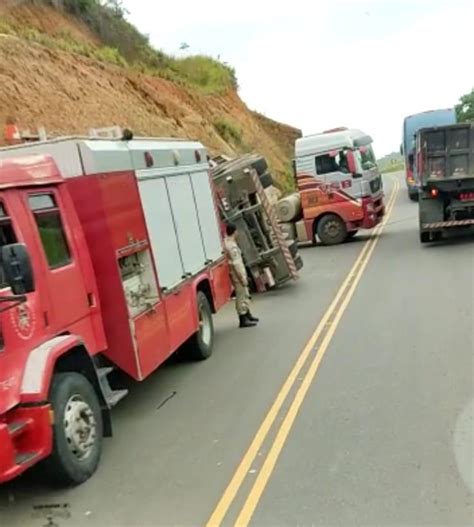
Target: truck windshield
{"points": [[366, 157]]}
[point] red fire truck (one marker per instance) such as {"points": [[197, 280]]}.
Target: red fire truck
{"points": [[111, 258]]}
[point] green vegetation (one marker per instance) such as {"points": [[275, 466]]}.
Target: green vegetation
{"points": [[391, 163], [205, 72], [106, 19], [287, 183], [228, 131], [65, 42], [465, 108], [396, 167], [124, 45]]}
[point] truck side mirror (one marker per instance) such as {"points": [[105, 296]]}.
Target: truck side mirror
{"points": [[401, 150], [17, 267]]}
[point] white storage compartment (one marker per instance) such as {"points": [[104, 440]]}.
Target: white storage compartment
{"points": [[207, 215], [161, 230], [186, 222]]}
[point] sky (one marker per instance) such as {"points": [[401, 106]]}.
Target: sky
{"points": [[318, 64]]}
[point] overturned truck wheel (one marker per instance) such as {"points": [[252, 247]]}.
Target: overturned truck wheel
{"points": [[260, 165], [266, 180]]}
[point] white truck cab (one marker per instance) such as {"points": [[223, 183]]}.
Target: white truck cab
{"points": [[339, 185]]}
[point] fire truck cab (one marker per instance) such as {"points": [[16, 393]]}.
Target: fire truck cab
{"points": [[111, 258], [339, 185]]}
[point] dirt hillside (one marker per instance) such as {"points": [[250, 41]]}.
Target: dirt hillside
{"points": [[43, 85]]}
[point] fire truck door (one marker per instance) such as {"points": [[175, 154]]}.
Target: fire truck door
{"points": [[66, 288]]}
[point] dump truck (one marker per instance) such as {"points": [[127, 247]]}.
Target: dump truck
{"points": [[244, 189], [111, 259], [445, 164], [411, 125]]}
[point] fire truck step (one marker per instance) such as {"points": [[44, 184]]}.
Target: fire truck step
{"points": [[112, 397], [26, 458], [115, 396], [17, 427], [104, 372]]}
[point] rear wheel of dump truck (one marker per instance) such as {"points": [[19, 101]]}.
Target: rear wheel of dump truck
{"points": [[77, 430], [425, 237], [413, 195], [331, 230], [199, 346]]}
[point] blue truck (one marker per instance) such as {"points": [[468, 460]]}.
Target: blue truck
{"points": [[411, 126]]}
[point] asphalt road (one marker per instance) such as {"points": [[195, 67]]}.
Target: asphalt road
{"points": [[376, 428]]}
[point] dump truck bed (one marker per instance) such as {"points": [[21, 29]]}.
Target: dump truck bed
{"points": [[445, 162], [447, 155]]}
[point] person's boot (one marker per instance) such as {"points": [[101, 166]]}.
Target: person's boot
{"points": [[245, 322], [252, 318]]}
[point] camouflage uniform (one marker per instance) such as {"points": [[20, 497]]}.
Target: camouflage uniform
{"points": [[238, 275]]}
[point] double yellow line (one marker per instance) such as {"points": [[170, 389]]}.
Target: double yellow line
{"points": [[325, 329]]}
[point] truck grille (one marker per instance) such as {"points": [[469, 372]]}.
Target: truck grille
{"points": [[376, 185]]}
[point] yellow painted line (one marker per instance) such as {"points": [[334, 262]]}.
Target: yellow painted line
{"points": [[264, 475], [240, 474]]}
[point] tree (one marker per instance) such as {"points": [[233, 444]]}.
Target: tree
{"points": [[465, 108]]}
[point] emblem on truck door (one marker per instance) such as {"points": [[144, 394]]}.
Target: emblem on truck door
{"points": [[23, 320]]}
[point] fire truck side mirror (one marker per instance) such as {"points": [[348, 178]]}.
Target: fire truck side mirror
{"points": [[17, 267]]}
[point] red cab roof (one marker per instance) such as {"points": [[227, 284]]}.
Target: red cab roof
{"points": [[28, 170]]}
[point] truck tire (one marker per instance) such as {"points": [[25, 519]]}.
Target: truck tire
{"points": [[413, 195], [331, 230], [260, 165], [293, 247], [199, 347], [266, 180], [351, 235], [425, 237], [77, 430]]}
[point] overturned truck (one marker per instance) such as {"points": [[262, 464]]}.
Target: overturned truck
{"points": [[245, 191]]}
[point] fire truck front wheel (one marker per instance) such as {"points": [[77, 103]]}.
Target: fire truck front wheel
{"points": [[331, 230], [78, 430], [201, 343]]}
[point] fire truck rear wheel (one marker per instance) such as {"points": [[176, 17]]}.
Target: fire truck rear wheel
{"points": [[201, 343], [331, 230], [77, 430]]}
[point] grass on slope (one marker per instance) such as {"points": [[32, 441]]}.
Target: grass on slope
{"points": [[124, 46]]}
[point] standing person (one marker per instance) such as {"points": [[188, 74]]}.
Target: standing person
{"points": [[238, 275]]}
